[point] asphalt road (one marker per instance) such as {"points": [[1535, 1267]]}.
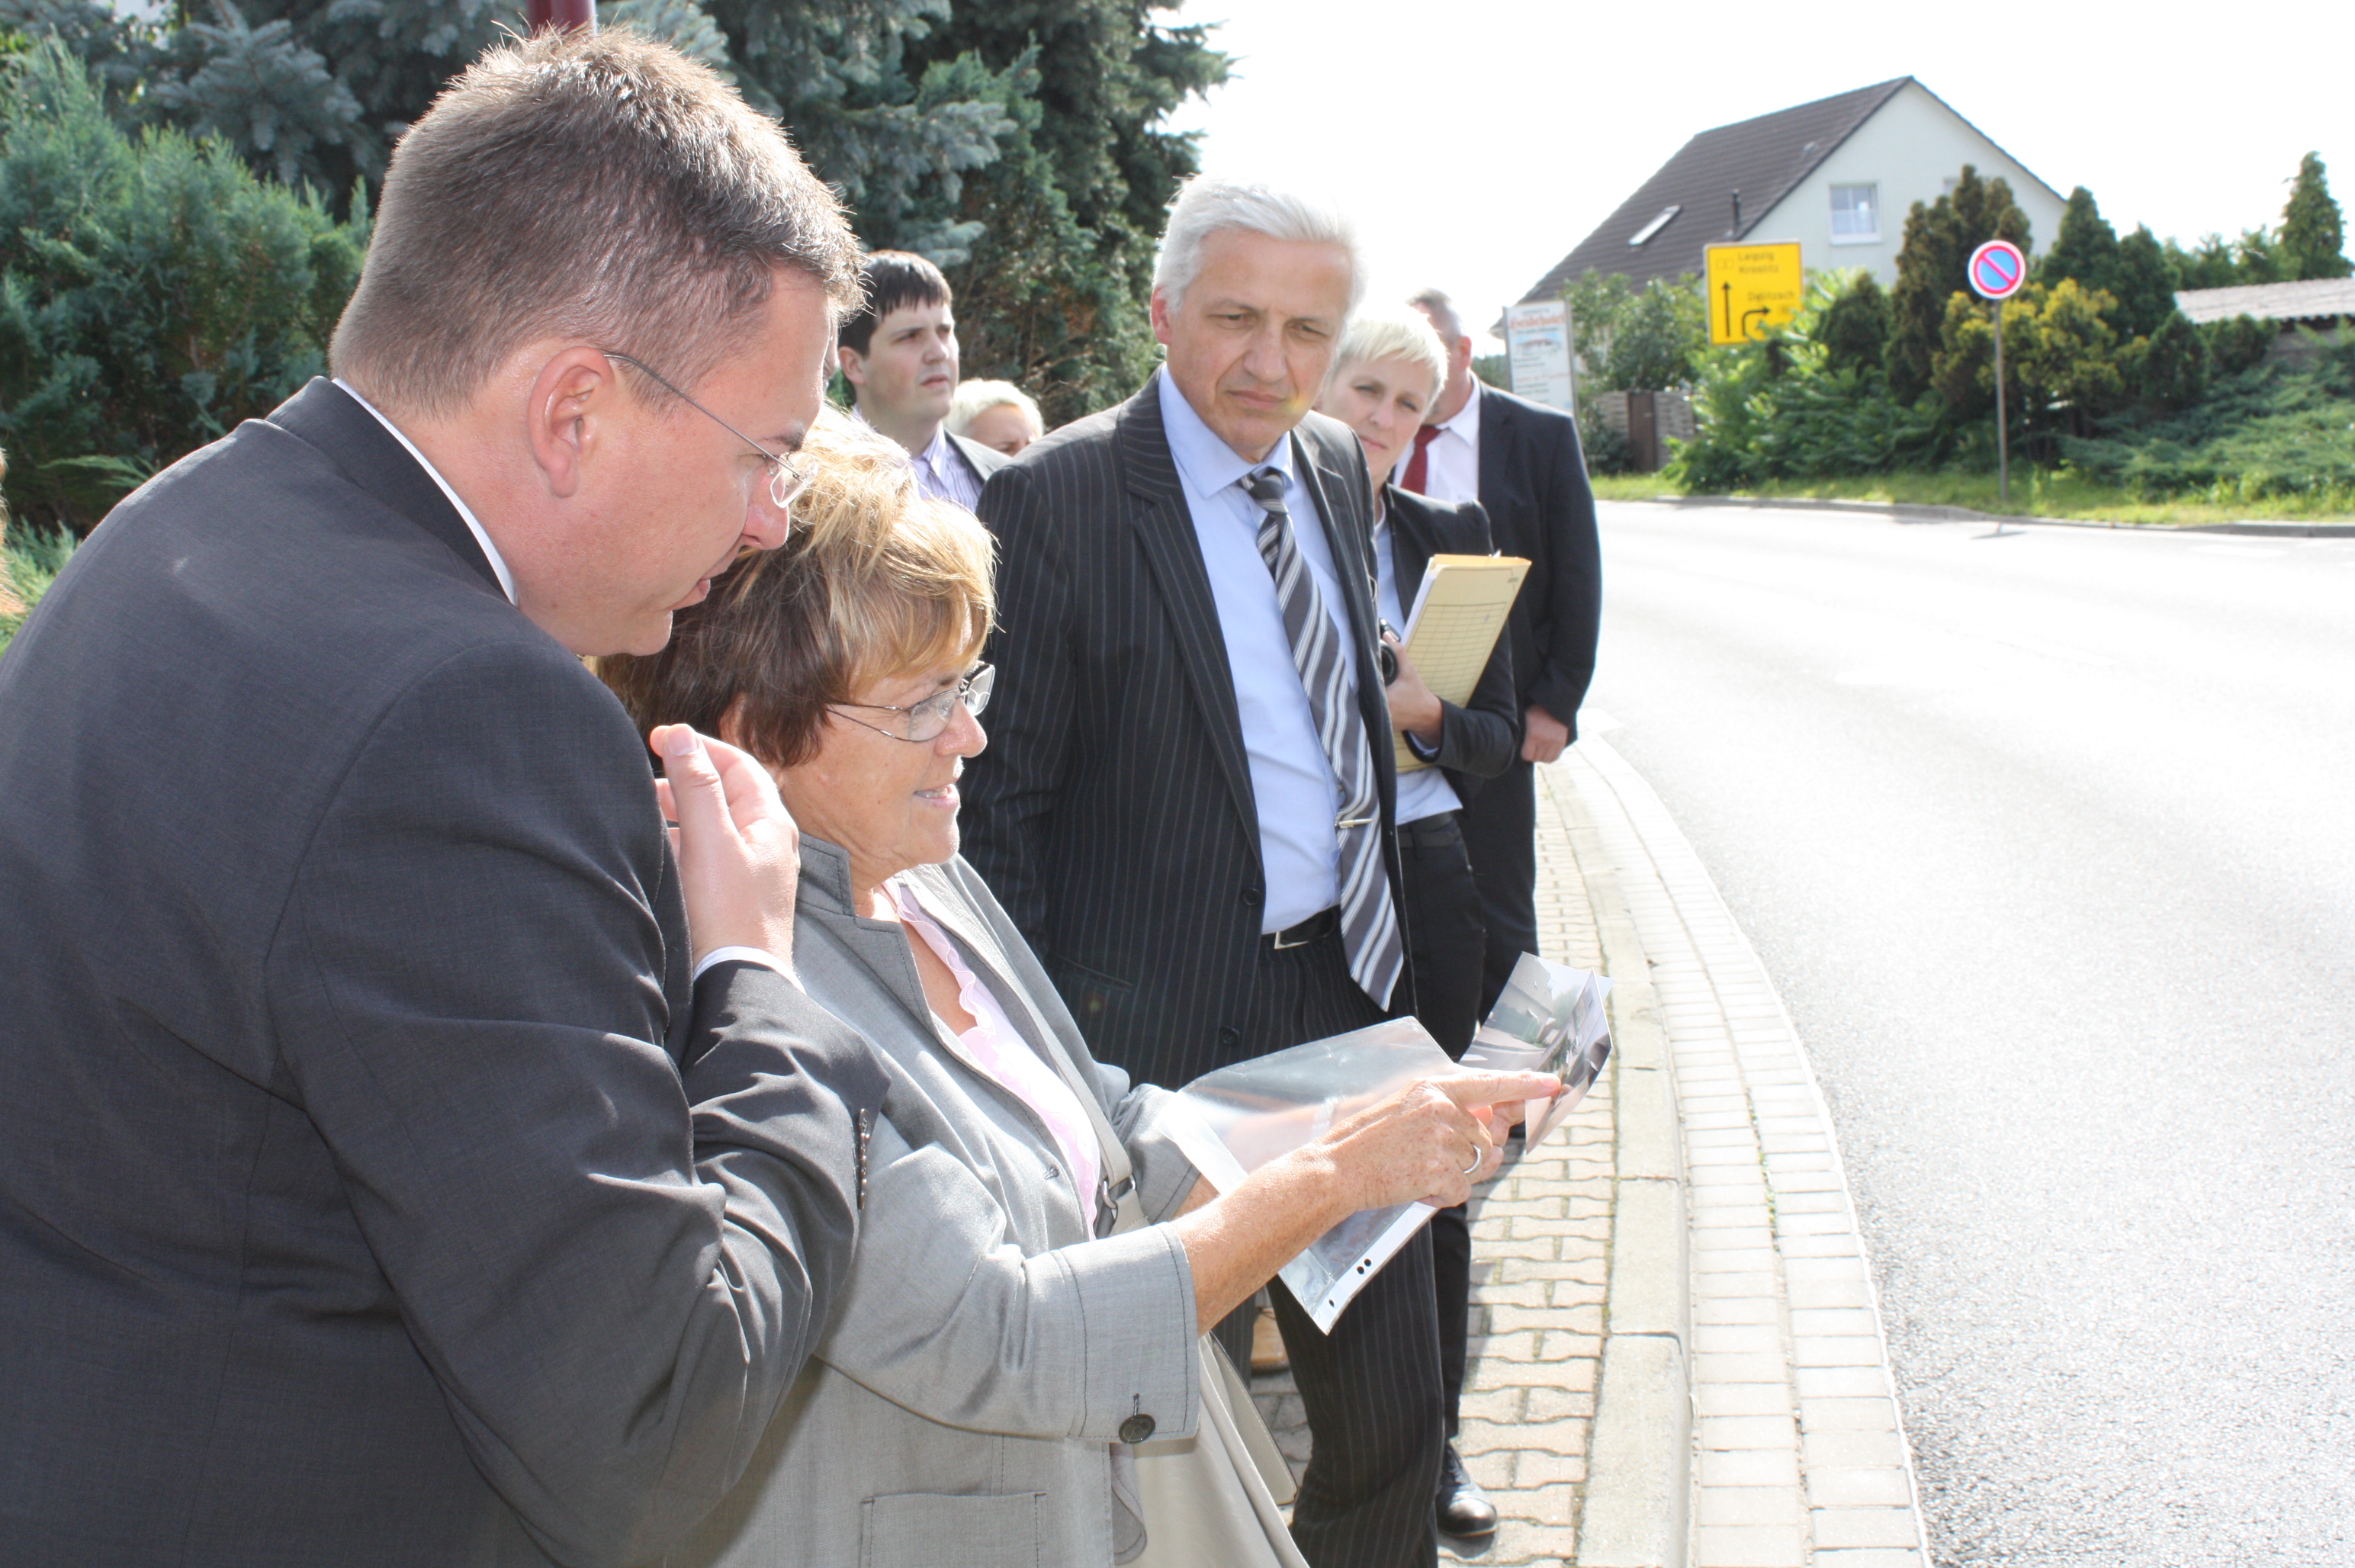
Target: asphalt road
{"points": [[2049, 841]]}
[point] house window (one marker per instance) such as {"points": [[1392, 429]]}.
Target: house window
{"points": [[1855, 214]]}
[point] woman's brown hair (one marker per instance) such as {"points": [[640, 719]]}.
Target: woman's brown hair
{"points": [[873, 581]]}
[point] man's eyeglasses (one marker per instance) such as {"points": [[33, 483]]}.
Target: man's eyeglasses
{"points": [[925, 720], [787, 483]]}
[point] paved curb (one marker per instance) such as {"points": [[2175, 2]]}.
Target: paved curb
{"points": [[1639, 1465], [1907, 509]]}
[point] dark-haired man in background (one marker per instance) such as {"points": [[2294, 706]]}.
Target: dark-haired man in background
{"points": [[385, 1179], [900, 355], [1521, 462]]}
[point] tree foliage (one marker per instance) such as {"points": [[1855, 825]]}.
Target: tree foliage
{"points": [[2313, 230], [154, 292], [1939, 238], [1022, 145]]}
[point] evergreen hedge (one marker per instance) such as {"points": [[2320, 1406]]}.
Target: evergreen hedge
{"points": [[154, 292]]}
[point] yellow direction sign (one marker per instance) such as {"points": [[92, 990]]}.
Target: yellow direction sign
{"points": [[1751, 289]]}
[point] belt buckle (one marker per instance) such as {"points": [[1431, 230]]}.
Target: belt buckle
{"points": [[1281, 944]]}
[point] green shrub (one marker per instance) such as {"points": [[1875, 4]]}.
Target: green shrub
{"points": [[2270, 430], [30, 559], [153, 291], [1810, 402]]}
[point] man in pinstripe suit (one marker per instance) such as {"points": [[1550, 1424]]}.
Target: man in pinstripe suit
{"points": [[1188, 803]]}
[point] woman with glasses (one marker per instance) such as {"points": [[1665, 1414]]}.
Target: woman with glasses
{"points": [[1036, 1260]]}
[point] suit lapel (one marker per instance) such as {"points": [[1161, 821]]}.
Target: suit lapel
{"points": [[1165, 529], [1410, 550], [326, 417]]}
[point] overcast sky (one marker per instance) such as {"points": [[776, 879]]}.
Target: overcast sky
{"points": [[1477, 141]]}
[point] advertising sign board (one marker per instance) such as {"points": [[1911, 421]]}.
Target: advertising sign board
{"points": [[1537, 345]]}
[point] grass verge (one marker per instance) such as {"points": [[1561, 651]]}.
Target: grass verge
{"points": [[2035, 493]]}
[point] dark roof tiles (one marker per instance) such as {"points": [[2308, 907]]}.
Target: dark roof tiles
{"points": [[1762, 158]]}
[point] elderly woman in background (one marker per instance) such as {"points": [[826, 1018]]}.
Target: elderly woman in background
{"points": [[1390, 367], [999, 414], [1016, 1313]]}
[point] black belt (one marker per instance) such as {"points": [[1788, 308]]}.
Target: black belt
{"points": [[1433, 832], [1315, 928]]}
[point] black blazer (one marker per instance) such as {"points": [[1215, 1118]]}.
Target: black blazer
{"points": [[1113, 813], [1533, 487], [375, 1187], [1480, 740]]}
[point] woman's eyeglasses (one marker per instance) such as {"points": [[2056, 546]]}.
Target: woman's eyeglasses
{"points": [[787, 483], [925, 720]]}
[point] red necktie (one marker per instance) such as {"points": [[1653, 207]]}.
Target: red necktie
{"points": [[1418, 467]]}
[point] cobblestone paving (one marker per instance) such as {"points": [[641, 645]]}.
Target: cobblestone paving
{"points": [[1541, 1242]]}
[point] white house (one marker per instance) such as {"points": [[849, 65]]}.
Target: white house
{"points": [[1839, 176]]}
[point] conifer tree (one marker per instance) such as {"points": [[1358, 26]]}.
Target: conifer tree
{"points": [[2313, 233], [1939, 238], [2085, 247]]}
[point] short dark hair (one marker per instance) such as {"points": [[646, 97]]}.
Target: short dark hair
{"points": [[893, 279], [601, 187]]}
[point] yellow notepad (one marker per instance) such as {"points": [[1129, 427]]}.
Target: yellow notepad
{"points": [[1459, 613]]}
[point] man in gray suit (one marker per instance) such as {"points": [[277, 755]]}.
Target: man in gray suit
{"points": [[384, 1178]]}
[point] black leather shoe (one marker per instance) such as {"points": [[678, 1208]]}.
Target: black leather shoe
{"points": [[1464, 1510]]}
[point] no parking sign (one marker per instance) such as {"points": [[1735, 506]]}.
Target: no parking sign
{"points": [[1997, 270]]}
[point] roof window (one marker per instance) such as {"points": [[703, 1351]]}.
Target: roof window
{"points": [[1655, 226]]}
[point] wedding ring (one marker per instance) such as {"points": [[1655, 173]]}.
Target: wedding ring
{"points": [[1476, 1157]]}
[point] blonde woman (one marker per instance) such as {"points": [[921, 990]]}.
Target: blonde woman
{"points": [[999, 414]]}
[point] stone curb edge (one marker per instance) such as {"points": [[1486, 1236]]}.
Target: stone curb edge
{"points": [[1964, 515], [1640, 1455]]}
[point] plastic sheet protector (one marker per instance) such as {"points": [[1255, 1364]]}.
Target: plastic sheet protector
{"points": [[1549, 1019], [1252, 1112]]}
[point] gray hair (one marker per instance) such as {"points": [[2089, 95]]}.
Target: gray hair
{"points": [[974, 399], [1394, 334], [1206, 204], [1440, 310]]}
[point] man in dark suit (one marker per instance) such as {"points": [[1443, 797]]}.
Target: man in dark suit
{"points": [[1393, 368], [1187, 800], [1521, 462], [900, 355], [384, 1179]]}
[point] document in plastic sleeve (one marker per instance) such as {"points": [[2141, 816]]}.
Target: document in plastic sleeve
{"points": [[1548, 1019], [1244, 1115]]}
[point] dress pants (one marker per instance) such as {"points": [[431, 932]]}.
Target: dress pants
{"points": [[1372, 1387], [1500, 830], [1447, 943]]}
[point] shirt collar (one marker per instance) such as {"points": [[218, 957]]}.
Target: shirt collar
{"points": [[1205, 461], [1467, 420], [934, 457], [465, 514]]}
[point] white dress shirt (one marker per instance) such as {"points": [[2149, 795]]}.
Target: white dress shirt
{"points": [[759, 956], [1452, 462], [1293, 786]]}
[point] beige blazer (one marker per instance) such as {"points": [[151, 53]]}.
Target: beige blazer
{"points": [[989, 1347]]}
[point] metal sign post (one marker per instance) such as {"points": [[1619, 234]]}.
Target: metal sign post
{"points": [[1997, 272]]}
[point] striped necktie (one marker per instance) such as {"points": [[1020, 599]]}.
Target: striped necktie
{"points": [[1369, 927]]}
